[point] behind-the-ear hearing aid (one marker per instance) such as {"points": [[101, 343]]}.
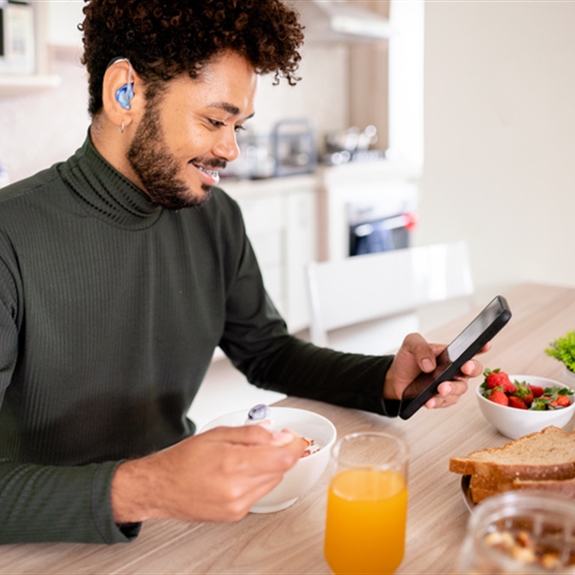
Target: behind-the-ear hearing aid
{"points": [[126, 92]]}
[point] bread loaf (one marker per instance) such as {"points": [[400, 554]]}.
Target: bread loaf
{"points": [[545, 458]]}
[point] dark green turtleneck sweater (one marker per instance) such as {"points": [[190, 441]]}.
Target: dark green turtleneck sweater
{"points": [[110, 310]]}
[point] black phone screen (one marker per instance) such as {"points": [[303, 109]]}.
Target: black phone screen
{"points": [[481, 330]]}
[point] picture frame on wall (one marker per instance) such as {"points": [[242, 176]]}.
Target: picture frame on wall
{"points": [[17, 45]]}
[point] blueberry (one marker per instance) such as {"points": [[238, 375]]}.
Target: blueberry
{"points": [[259, 412]]}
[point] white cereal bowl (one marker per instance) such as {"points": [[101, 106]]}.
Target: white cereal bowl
{"points": [[515, 423], [300, 478]]}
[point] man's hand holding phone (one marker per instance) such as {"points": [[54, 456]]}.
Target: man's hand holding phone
{"points": [[416, 355], [435, 376]]}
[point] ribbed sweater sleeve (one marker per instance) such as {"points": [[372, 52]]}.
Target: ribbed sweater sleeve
{"points": [[37, 494], [304, 370]]}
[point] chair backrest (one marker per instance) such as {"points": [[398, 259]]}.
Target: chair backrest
{"points": [[373, 286]]}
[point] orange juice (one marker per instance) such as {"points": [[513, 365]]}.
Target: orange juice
{"points": [[366, 517]]}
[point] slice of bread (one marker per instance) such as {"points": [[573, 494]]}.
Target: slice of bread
{"points": [[479, 494], [546, 454], [543, 458]]}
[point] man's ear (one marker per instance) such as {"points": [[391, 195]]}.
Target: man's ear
{"points": [[121, 93]]}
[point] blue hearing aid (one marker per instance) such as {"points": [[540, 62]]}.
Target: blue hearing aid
{"points": [[125, 94]]}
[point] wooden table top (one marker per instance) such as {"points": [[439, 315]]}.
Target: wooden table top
{"points": [[291, 541]]}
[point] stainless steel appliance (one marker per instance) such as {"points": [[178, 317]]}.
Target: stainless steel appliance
{"points": [[372, 228], [351, 145], [365, 207], [294, 147], [288, 149]]}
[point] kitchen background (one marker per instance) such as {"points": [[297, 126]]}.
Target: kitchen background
{"points": [[488, 134]]}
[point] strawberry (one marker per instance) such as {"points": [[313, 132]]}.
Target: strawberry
{"points": [[561, 401], [559, 397], [497, 378], [536, 390], [509, 387], [528, 398], [498, 396], [516, 402], [524, 392]]}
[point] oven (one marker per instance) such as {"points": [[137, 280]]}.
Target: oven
{"points": [[372, 228], [365, 207]]}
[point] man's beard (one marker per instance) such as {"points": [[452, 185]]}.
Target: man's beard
{"points": [[158, 169]]}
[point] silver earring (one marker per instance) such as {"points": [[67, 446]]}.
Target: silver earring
{"points": [[122, 127]]}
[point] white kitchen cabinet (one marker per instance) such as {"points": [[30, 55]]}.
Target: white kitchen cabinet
{"points": [[262, 214], [280, 218], [301, 249]]}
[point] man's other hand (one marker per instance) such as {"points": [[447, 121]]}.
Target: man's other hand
{"points": [[214, 476]]}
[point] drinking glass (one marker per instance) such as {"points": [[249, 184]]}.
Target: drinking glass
{"points": [[520, 532], [367, 504]]}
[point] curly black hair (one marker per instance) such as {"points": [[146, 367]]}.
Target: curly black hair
{"points": [[166, 38]]}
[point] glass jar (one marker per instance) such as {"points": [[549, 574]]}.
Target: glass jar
{"points": [[520, 532]]}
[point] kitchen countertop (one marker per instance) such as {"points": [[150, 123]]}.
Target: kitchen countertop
{"points": [[369, 171], [245, 188], [352, 173]]}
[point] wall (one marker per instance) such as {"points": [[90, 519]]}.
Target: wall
{"points": [[37, 130], [500, 137], [321, 94]]}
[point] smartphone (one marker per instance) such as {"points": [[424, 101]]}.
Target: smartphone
{"points": [[481, 330]]}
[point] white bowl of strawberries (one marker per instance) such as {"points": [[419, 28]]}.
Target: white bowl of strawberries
{"points": [[520, 404]]}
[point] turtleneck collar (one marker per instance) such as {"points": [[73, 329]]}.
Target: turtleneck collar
{"points": [[105, 193]]}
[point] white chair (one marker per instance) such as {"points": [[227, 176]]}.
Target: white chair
{"points": [[369, 303]]}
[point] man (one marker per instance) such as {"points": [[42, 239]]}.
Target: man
{"points": [[123, 268]]}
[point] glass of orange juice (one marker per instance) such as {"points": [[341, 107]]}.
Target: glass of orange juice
{"points": [[367, 504]]}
